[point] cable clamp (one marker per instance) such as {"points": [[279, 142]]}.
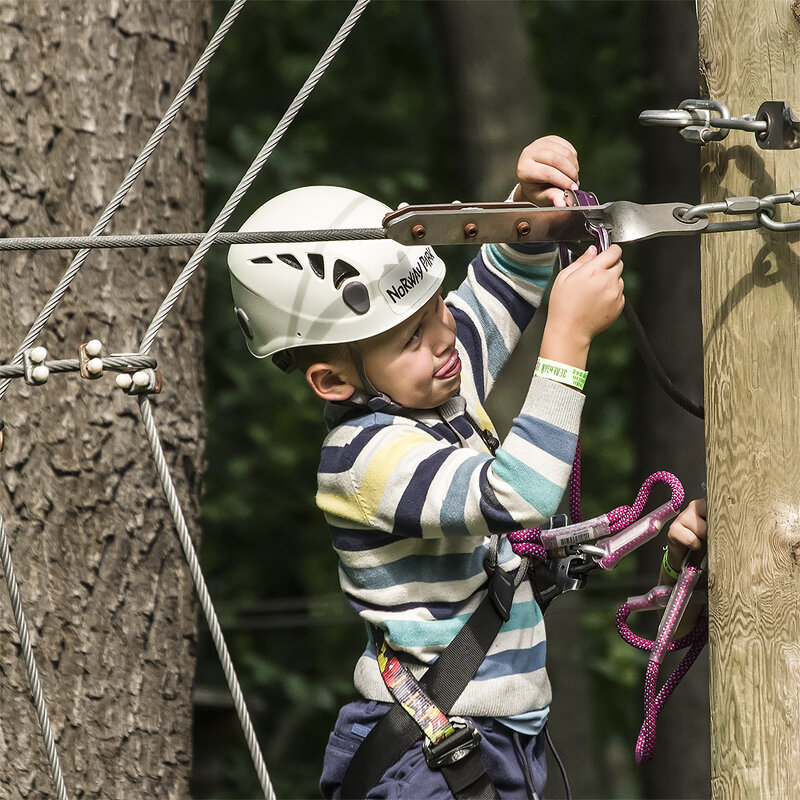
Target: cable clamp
{"points": [[91, 362], [36, 372], [143, 381]]}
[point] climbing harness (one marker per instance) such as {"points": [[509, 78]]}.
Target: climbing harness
{"points": [[451, 744]]}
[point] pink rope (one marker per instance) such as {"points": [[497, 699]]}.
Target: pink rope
{"points": [[622, 516], [695, 640], [574, 485], [528, 542]]}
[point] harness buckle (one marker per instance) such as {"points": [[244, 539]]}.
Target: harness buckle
{"points": [[454, 746], [501, 590]]}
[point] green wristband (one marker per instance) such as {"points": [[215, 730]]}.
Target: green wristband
{"points": [[562, 373], [668, 568]]}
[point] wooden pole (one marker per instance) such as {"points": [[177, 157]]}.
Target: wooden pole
{"points": [[749, 53]]}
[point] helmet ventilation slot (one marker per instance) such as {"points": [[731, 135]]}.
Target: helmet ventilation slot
{"points": [[342, 271], [289, 259], [317, 263]]}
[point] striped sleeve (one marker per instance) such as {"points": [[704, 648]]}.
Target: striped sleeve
{"points": [[495, 303], [400, 479]]}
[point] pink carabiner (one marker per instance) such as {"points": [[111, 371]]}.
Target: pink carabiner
{"points": [[635, 535]]}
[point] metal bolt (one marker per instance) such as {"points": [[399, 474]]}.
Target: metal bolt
{"points": [[40, 373], [95, 366], [418, 231], [470, 230], [141, 378], [124, 380], [523, 227], [38, 355], [93, 348]]}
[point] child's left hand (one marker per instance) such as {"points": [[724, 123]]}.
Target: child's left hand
{"points": [[687, 532], [546, 168]]}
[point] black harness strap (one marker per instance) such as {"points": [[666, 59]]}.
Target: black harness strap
{"points": [[444, 682]]}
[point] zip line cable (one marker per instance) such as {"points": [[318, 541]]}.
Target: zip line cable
{"points": [[184, 239]]}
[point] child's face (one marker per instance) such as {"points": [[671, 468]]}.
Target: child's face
{"points": [[416, 362]]}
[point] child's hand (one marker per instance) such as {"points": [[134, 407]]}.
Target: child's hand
{"points": [[687, 532], [547, 167], [587, 296]]}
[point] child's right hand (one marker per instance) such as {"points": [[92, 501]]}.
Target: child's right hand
{"points": [[587, 296]]}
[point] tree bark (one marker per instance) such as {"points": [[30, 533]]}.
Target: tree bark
{"points": [[107, 594], [749, 53], [667, 436]]}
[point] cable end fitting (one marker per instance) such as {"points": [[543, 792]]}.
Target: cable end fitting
{"points": [[143, 381]]}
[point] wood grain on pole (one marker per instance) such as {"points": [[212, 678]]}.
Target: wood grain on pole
{"points": [[749, 53]]}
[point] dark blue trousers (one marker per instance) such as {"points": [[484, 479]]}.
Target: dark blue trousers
{"points": [[514, 762]]}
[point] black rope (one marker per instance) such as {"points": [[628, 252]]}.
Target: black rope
{"points": [[654, 365]]}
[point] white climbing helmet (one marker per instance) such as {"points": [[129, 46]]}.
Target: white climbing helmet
{"points": [[326, 292]]}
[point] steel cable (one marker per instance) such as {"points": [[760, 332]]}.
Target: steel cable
{"points": [[204, 596], [118, 363], [30, 665], [184, 239], [250, 176]]}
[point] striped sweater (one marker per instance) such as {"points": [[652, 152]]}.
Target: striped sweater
{"points": [[412, 499]]}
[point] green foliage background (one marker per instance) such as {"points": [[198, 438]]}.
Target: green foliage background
{"points": [[381, 121]]}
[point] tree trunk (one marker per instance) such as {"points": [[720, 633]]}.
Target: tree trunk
{"points": [[749, 53], [667, 436], [107, 594]]}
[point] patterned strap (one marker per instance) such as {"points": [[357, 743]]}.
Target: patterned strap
{"points": [[405, 689]]}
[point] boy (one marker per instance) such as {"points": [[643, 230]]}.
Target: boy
{"points": [[412, 481]]}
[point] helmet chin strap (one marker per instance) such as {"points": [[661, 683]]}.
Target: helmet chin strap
{"points": [[371, 398]]}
